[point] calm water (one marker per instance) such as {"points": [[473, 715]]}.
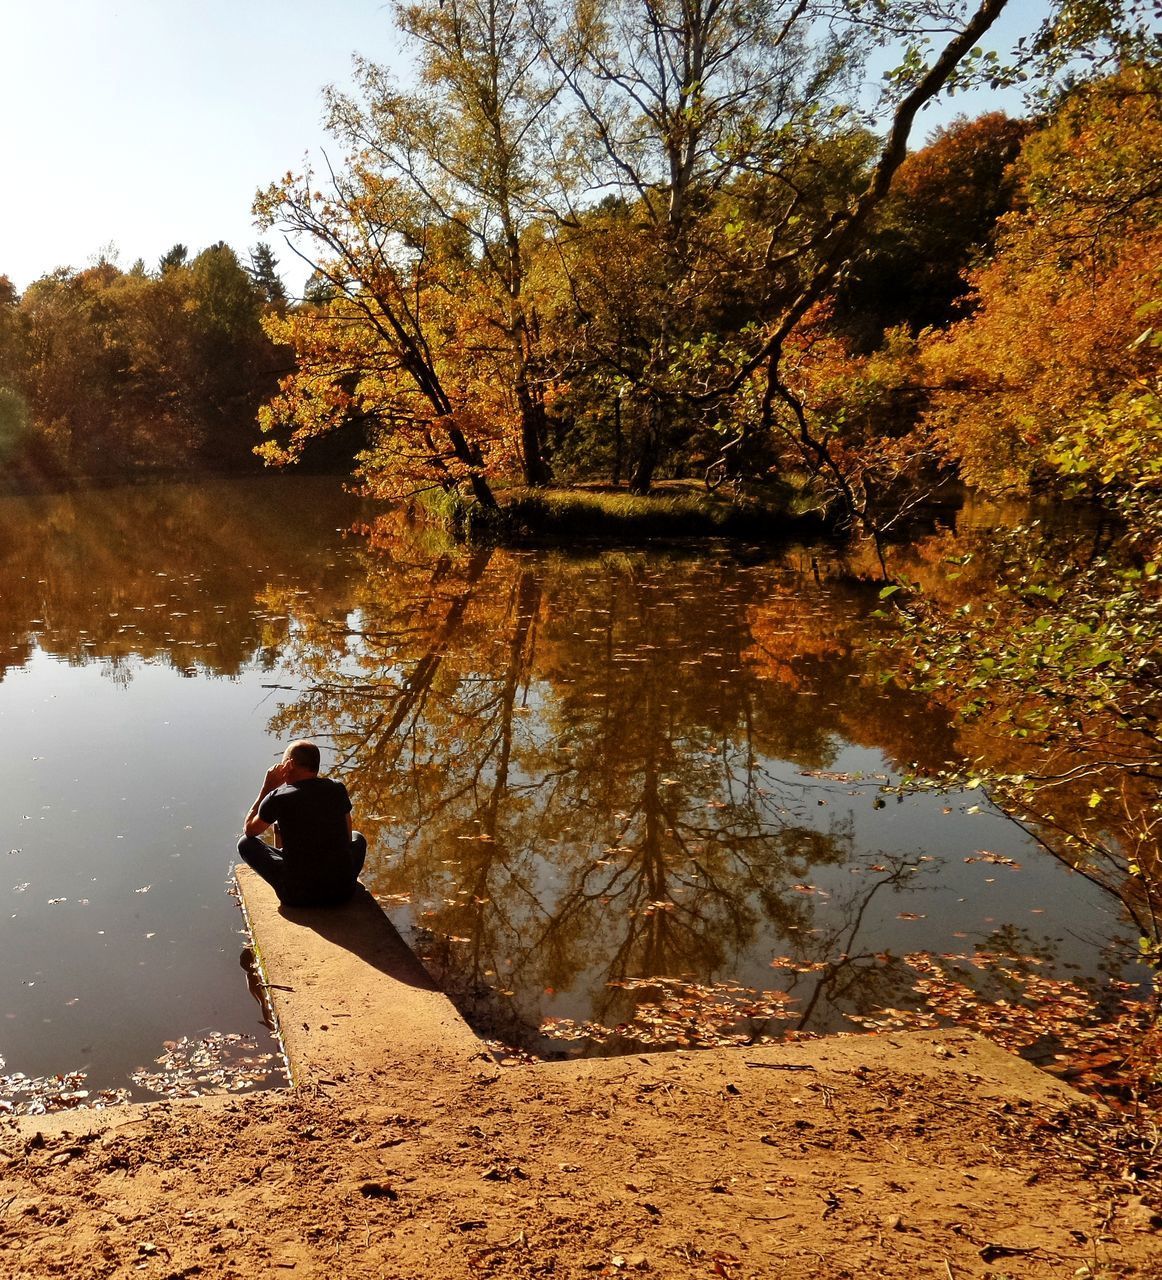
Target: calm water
{"points": [[577, 773]]}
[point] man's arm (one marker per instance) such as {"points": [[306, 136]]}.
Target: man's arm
{"points": [[254, 825]]}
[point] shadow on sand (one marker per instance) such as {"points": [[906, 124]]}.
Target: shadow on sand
{"points": [[360, 926]]}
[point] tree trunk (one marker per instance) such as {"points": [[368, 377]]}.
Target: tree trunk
{"points": [[532, 439], [641, 476], [617, 441], [469, 454]]}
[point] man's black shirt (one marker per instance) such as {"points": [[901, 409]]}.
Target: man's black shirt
{"points": [[312, 821]]}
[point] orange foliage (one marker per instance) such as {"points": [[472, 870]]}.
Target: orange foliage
{"points": [[1045, 346], [1068, 294]]}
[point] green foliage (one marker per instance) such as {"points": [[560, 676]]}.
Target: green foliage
{"points": [[1056, 657], [462, 518], [1113, 456], [1083, 40], [1052, 663], [173, 259], [571, 514], [225, 299], [263, 271]]}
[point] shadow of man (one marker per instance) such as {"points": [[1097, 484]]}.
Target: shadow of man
{"points": [[361, 926]]}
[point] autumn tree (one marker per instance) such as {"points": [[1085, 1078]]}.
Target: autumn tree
{"points": [[422, 238], [1061, 308], [121, 371], [68, 364], [465, 213], [673, 103], [624, 392], [475, 147], [937, 218], [1051, 386], [761, 375], [619, 215], [364, 355], [655, 121], [13, 409], [234, 363], [10, 337]]}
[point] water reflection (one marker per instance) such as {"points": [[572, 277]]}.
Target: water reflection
{"points": [[581, 774], [135, 641], [632, 797], [166, 573]]}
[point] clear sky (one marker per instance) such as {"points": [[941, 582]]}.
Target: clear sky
{"points": [[142, 123]]}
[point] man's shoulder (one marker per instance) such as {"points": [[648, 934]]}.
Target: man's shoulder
{"points": [[325, 788], [273, 799], [324, 784]]}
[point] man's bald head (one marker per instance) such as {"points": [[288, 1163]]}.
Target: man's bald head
{"points": [[304, 755]]}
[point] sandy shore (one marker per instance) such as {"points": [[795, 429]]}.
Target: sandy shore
{"points": [[403, 1151]]}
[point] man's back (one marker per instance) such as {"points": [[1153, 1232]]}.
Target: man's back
{"points": [[311, 817], [320, 856]]}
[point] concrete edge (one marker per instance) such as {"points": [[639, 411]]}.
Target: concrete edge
{"points": [[349, 997], [264, 981]]}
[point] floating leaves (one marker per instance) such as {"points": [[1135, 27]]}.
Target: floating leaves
{"points": [[829, 776], [1100, 1040], [190, 1067], [799, 966], [23, 1095], [685, 1014], [196, 1066], [996, 859]]}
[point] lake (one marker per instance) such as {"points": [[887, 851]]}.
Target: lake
{"points": [[617, 799]]}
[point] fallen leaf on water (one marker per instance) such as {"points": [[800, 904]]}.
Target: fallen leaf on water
{"points": [[997, 859]]}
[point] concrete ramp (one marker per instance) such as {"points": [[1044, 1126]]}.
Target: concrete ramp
{"points": [[348, 995]]}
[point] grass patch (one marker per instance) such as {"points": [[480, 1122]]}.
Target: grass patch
{"points": [[616, 515], [462, 518]]}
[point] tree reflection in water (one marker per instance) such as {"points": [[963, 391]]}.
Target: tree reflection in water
{"points": [[581, 775], [633, 792]]}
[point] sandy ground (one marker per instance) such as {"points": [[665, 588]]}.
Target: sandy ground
{"points": [[902, 1158], [407, 1153]]}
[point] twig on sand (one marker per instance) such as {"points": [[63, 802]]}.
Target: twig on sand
{"points": [[781, 1066]]}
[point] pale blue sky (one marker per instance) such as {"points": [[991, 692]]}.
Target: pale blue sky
{"points": [[147, 122], [141, 123]]}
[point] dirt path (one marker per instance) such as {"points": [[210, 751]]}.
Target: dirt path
{"points": [[902, 1158]]}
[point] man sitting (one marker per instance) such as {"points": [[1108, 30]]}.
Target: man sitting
{"points": [[318, 857]]}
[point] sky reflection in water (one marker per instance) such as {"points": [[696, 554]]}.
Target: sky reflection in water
{"points": [[574, 770]]}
